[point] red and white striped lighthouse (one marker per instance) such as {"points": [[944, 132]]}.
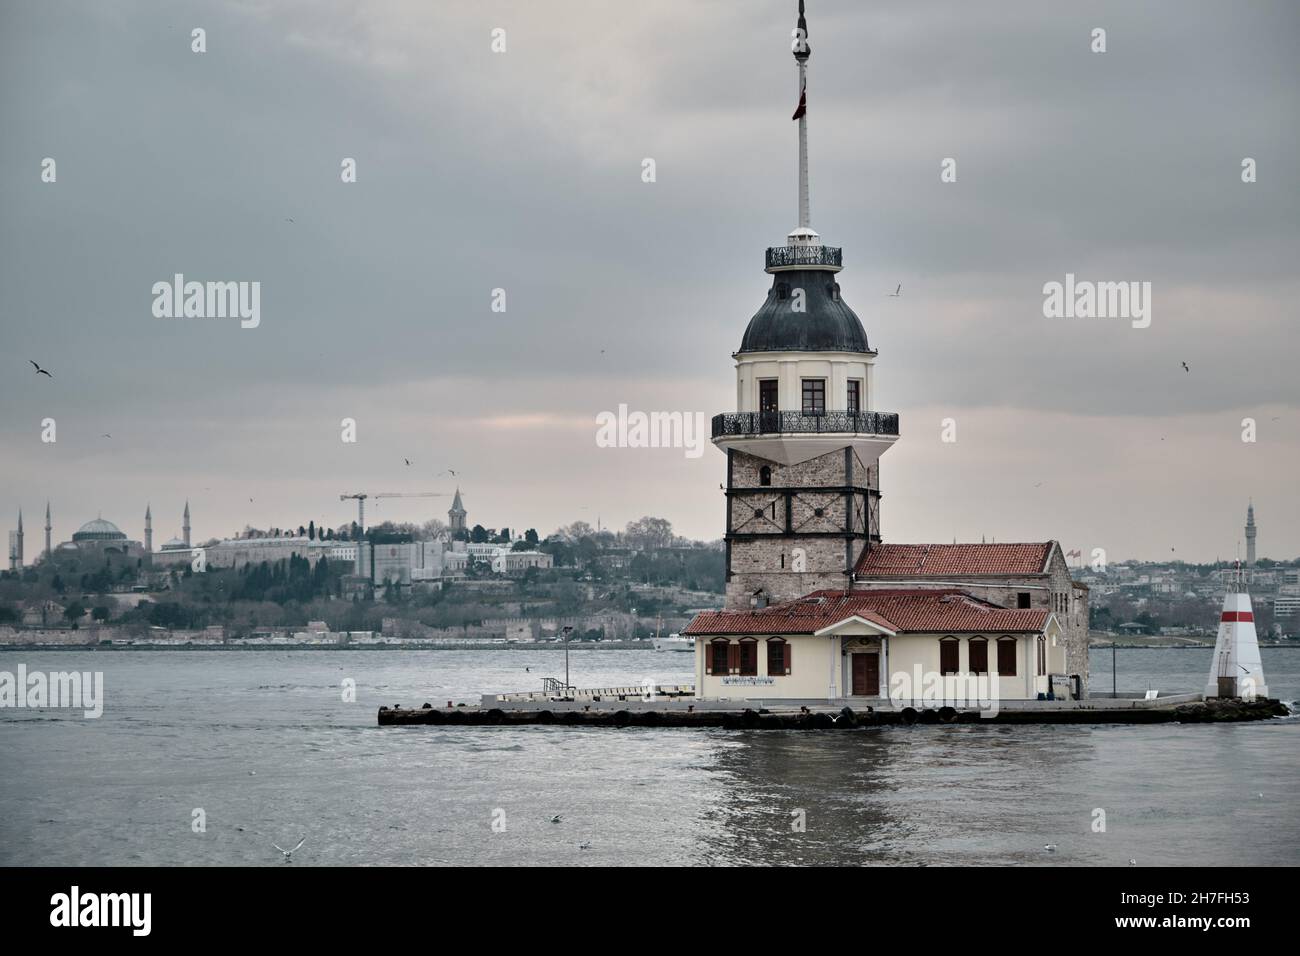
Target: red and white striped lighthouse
{"points": [[1236, 670]]}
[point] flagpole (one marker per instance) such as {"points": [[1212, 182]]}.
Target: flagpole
{"points": [[804, 218]]}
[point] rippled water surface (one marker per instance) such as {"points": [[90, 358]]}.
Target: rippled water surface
{"points": [[263, 742]]}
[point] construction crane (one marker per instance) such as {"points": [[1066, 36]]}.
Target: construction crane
{"points": [[361, 500]]}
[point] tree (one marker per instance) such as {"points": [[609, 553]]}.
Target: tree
{"points": [[650, 534], [311, 530], [478, 535], [530, 537], [100, 613], [73, 613]]}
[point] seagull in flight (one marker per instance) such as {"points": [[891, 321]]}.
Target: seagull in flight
{"points": [[288, 854], [39, 370], [408, 462], [1185, 368], [555, 819], [447, 472], [897, 292]]}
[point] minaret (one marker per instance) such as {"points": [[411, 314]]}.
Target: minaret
{"points": [[148, 530], [186, 527], [16, 546], [803, 446], [49, 551], [1250, 535]]}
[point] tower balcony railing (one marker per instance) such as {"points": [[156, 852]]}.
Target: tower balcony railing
{"points": [[779, 257], [797, 423]]}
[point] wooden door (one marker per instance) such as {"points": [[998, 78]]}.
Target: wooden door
{"points": [[866, 675]]}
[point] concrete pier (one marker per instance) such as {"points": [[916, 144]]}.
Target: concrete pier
{"points": [[586, 709]]}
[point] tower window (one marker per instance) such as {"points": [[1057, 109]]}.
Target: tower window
{"points": [[855, 396], [765, 475], [1022, 600], [814, 396], [767, 401]]}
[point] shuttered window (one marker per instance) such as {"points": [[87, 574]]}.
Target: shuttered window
{"points": [[1042, 656], [733, 658], [979, 655], [717, 660], [1006, 657], [748, 658], [949, 655], [778, 657]]}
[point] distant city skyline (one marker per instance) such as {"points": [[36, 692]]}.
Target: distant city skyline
{"points": [[522, 171]]}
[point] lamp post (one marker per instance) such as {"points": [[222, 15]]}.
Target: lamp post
{"points": [[568, 629]]}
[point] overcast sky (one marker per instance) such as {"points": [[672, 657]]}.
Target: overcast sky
{"points": [[522, 170]]}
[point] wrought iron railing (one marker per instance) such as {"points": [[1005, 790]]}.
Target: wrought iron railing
{"points": [[786, 423], [779, 256]]}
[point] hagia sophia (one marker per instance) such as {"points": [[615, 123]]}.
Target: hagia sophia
{"points": [[100, 537]]}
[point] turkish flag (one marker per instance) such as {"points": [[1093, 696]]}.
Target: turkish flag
{"points": [[803, 104]]}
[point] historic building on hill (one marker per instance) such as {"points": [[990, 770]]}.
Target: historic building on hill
{"points": [[818, 605]]}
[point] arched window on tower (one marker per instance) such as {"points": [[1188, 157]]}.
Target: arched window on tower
{"points": [[765, 475]]}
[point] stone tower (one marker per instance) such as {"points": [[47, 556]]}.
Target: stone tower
{"points": [[49, 550], [456, 515], [803, 446], [1250, 535], [148, 530], [185, 528]]}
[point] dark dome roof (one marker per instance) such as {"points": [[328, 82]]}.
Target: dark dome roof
{"points": [[827, 324], [99, 530]]}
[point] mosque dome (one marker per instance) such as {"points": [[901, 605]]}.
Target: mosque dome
{"points": [[175, 544], [99, 530]]}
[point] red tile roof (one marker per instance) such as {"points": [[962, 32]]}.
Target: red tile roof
{"points": [[917, 610], [953, 560]]}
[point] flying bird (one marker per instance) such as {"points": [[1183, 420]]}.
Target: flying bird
{"points": [[408, 462], [288, 854], [1185, 368], [897, 292], [39, 370], [107, 435], [287, 219], [555, 819]]}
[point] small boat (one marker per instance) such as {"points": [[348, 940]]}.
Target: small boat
{"points": [[674, 642]]}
